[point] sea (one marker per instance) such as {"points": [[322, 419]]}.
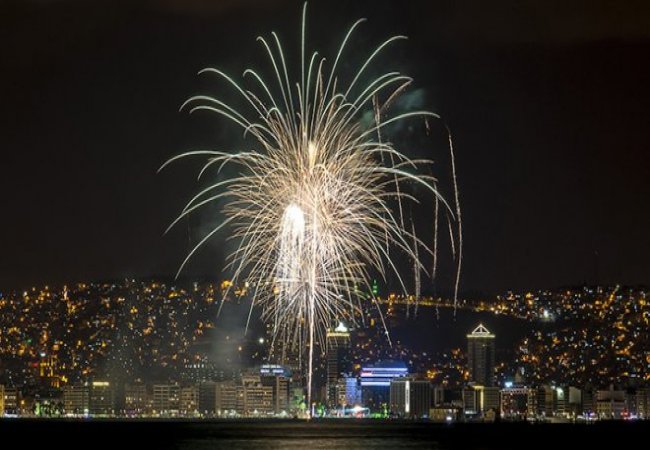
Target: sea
{"points": [[316, 434]]}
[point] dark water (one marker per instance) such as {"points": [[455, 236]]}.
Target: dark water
{"points": [[320, 434]]}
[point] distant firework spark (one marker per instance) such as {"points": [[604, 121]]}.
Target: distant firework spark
{"points": [[319, 204]]}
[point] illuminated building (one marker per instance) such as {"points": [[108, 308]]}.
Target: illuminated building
{"points": [[643, 403], [189, 401], [12, 400], [444, 413], [202, 370], [470, 401], [246, 398], [255, 399], [102, 399], [488, 399], [136, 400], [279, 379], [76, 399], [47, 367], [226, 398], [348, 391], [2, 400], [375, 383], [610, 403], [540, 401], [338, 360], [514, 402], [166, 398], [480, 354], [410, 398]]}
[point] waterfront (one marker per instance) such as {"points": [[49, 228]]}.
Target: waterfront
{"points": [[317, 434]]}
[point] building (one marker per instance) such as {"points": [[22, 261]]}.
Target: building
{"points": [[47, 371], [348, 391], [514, 403], [375, 384], [102, 399], [2, 400], [480, 354], [338, 361], [445, 413], [610, 404], [410, 398], [643, 403], [279, 379], [207, 398], [437, 395], [166, 399], [248, 398], [573, 401], [489, 399], [12, 400], [189, 401], [136, 400], [76, 399], [254, 399], [589, 406], [203, 369], [226, 398], [470, 401], [547, 401]]}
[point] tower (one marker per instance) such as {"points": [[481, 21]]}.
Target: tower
{"points": [[338, 359], [480, 355]]}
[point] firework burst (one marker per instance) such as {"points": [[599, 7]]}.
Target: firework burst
{"points": [[317, 206]]}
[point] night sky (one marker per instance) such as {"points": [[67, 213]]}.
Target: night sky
{"points": [[548, 101]]}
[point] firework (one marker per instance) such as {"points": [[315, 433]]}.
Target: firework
{"points": [[317, 206]]}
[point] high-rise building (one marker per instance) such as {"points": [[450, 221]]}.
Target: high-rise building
{"points": [[2, 400], [102, 399], [375, 383], [338, 360], [480, 354], [166, 399], [410, 398]]}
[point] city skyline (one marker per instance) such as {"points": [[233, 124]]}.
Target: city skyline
{"points": [[324, 224]]}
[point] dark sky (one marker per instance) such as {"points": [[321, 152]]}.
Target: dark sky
{"points": [[548, 101]]}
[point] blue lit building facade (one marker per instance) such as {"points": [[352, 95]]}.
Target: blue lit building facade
{"points": [[375, 383]]}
